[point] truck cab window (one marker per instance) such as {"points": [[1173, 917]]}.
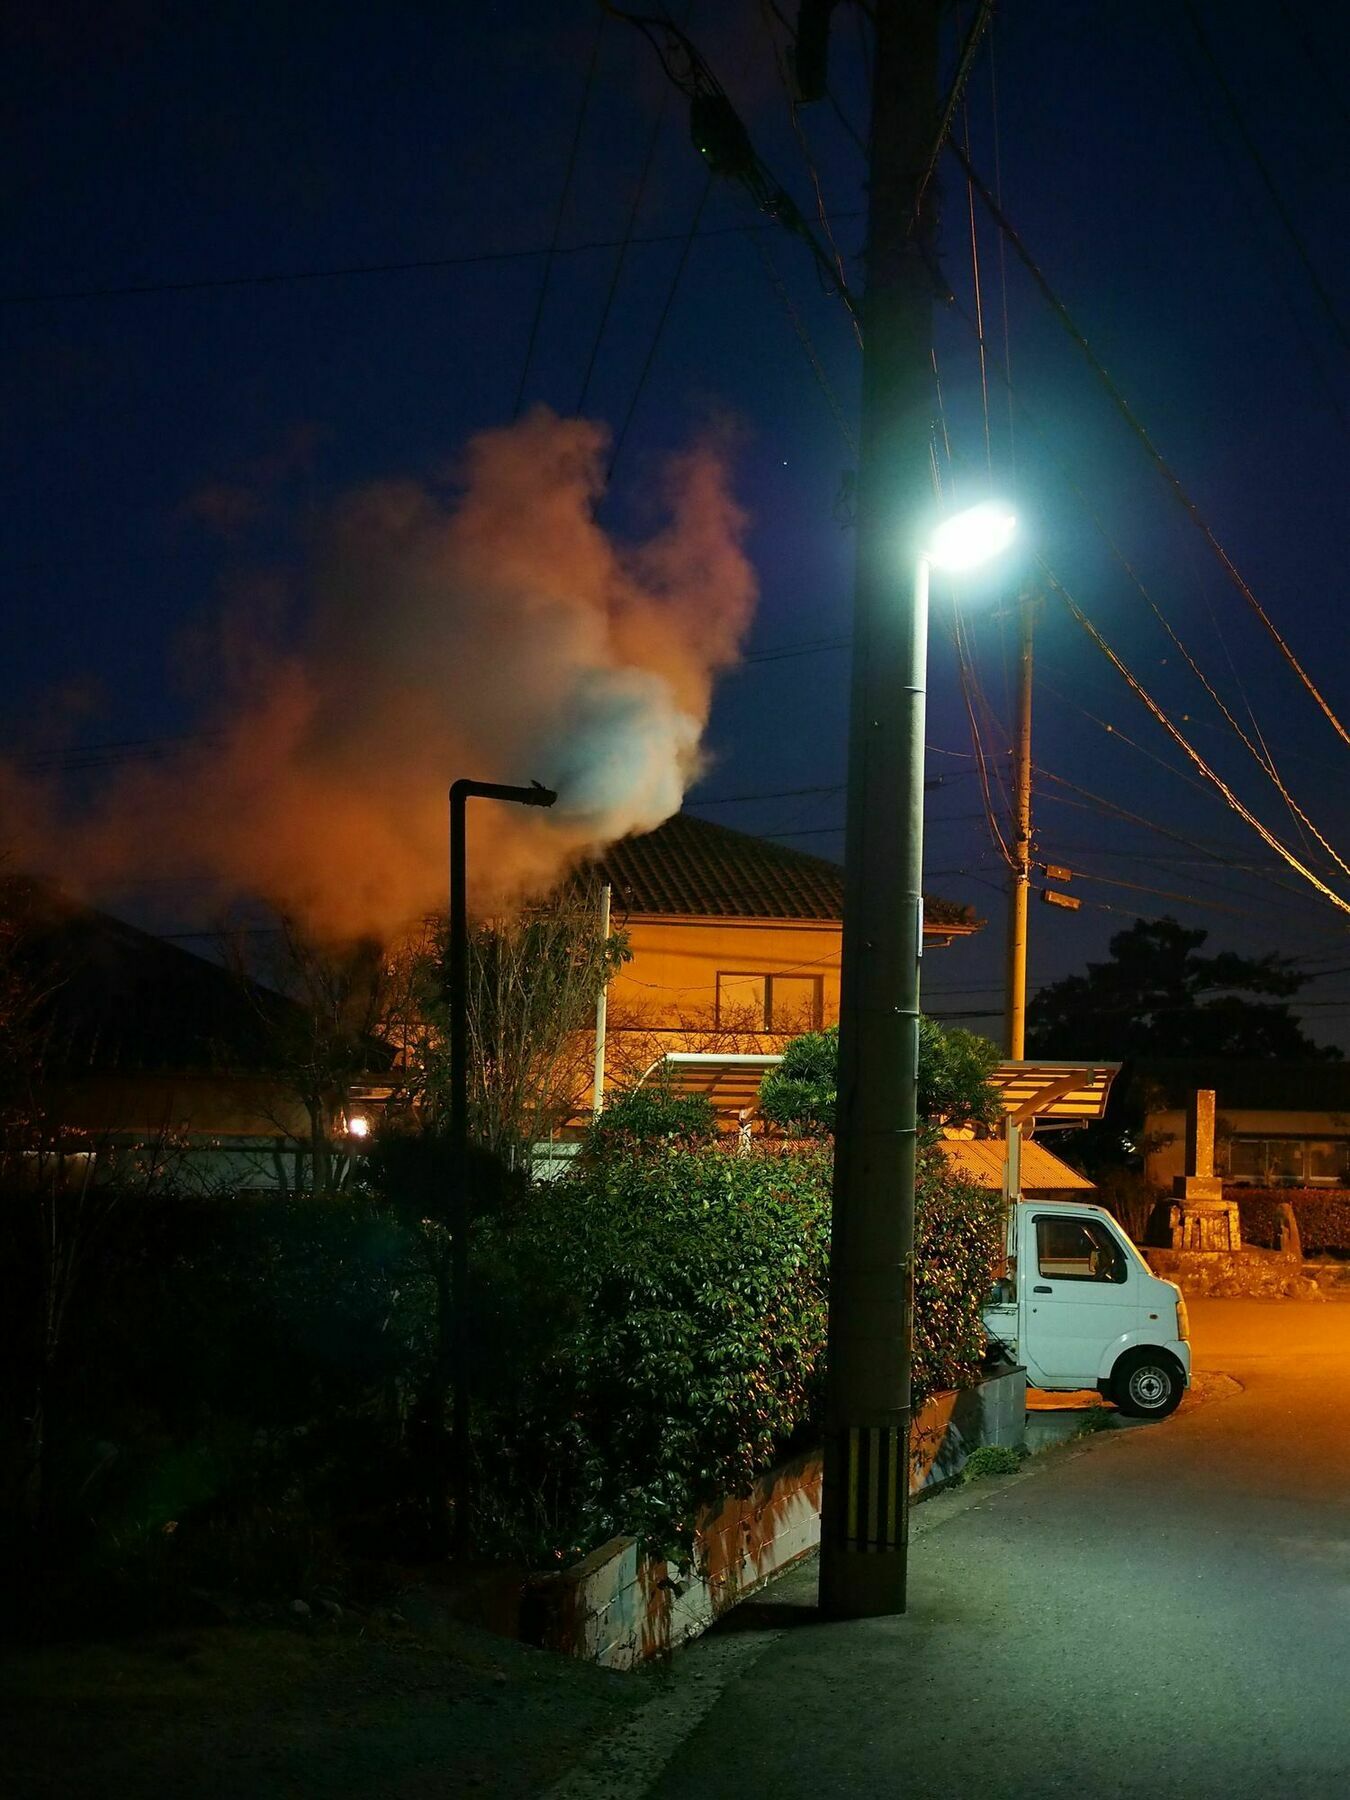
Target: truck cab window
{"points": [[1070, 1249]]}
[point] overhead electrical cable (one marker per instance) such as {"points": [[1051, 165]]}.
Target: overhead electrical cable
{"points": [[639, 193], [1262, 168], [984, 11], [979, 303], [653, 346], [1244, 812], [1002, 247], [338, 272], [722, 139], [561, 213], [768, 12], [1318, 60], [1173, 480], [803, 335], [1259, 753], [1325, 382], [1102, 804]]}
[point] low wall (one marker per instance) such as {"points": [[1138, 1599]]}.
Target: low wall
{"points": [[1249, 1273], [619, 1607]]}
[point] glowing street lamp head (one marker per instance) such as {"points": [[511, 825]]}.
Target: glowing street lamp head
{"points": [[358, 1126], [970, 538]]}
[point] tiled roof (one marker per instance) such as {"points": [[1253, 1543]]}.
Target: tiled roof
{"points": [[691, 868]]}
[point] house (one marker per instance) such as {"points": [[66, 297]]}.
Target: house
{"points": [[1279, 1124], [735, 942], [147, 1062]]}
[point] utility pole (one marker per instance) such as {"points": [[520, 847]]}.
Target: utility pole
{"points": [[865, 1515], [601, 1012], [1019, 877]]}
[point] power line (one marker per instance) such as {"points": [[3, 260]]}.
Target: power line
{"points": [[565, 191], [1183, 743], [410, 265], [652, 347], [1262, 168], [638, 194], [1173, 480]]}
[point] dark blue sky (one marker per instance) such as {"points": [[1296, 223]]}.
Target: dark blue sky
{"points": [[162, 144]]}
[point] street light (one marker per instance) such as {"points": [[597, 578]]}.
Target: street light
{"points": [[865, 1505], [969, 538]]}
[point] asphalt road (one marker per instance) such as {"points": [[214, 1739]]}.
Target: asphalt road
{"points": [[1155, 1612]]}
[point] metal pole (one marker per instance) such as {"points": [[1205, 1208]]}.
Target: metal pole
{"points": [[601, 1011], [864, 1524], [1019, 877], [460, 1211]]}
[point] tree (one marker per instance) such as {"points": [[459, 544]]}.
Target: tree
{"points": [[800, 1095], [329, 1015], [1158, 996], [534, 980]]}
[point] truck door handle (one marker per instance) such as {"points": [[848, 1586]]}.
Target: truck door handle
{"points": [[1042, 1290]]}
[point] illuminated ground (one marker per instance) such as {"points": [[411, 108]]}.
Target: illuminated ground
{"points": [[1158, 1612]]}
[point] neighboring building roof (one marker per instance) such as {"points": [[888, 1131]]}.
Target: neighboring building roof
{"points": [[982, 1160], [115, 998], [691, 868], [1257, 1085]]}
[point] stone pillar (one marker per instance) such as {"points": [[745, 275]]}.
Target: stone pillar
{"points": [[1202, 1218]]}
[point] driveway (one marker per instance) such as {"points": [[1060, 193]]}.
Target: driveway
{"points": [[1156, 1612]]}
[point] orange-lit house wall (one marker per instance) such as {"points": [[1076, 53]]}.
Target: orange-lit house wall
{"points": [[676, 963], [667, 996]]}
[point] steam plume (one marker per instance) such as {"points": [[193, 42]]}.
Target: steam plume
{"points": [[490, 629]]}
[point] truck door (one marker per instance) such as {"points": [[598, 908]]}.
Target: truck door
{"points": [[1079, 1295]]}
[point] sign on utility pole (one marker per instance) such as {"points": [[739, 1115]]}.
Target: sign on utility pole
{"points": [[864, 1526]]}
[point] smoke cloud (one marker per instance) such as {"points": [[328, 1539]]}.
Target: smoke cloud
{"points": [[488, 628]]}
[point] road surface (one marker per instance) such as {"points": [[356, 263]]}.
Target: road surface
{"points": [[1158, 1612]]}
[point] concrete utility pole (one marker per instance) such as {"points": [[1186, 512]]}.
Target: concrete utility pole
{"points": [[864, 1527], [1019, 878], [601, 1012]]}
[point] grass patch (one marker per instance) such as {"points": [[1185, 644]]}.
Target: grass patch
{"points": [[991, 1459]]}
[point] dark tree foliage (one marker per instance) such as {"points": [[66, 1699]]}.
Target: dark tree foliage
{"points": [[1158, 996]]}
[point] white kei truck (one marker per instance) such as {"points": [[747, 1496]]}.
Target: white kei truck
{"points": [[1080, 1308]]}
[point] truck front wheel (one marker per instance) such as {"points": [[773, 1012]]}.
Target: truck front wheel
{"points": [[1146, 1384]]}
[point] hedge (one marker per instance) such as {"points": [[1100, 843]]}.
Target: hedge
{"points": [[661, 1331], [1323, 1215]]}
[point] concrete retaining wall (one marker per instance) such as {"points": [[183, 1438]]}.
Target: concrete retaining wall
{"points": [[619, 1608], [1249, 1273]]}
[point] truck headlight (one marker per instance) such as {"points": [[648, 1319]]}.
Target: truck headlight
{"points": [[1183, 1320]]}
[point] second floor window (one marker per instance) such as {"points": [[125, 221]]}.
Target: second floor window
{"points": [[779, 1003]]}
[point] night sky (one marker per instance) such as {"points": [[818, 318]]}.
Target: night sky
{"points": [[244, 161]]}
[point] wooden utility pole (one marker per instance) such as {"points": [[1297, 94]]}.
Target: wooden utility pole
{"points": [[864, 1527], [1019, 877]]}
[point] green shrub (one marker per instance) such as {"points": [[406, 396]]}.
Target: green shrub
{"points": [[660, 1326], [662, 1322], [648, 1119], [1323, 1216], [801, 1094], [958, 1239]]}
